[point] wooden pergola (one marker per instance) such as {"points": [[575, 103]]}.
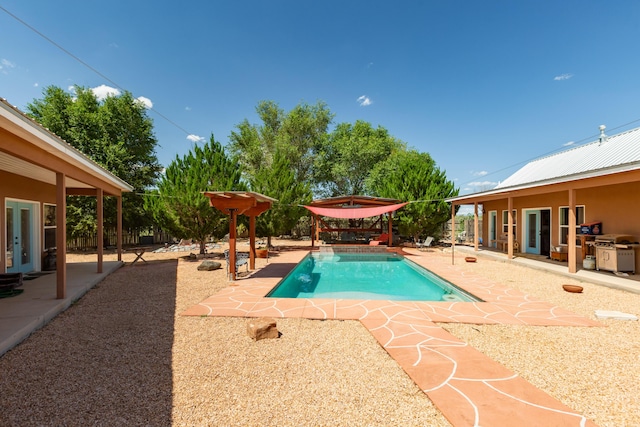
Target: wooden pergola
{"points": [[234, 203], [352, 207]]}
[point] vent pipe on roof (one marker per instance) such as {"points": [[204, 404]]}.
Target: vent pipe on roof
{"points": [[603, 137]]}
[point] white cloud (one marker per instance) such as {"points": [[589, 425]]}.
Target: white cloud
{"points": [[364, 101], [565, 76], [145, 101], [103, 91], [36, 84], [567, 144], [187, 108], [479, 173], [482, 185], [195, 138], [5, 64]]}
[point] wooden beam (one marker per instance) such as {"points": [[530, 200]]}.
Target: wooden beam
{"points": [[571, 244], [61, 236], [476, 239], [232, 244], [252, 242], [100, 221], [510, 238], [119, 226]]}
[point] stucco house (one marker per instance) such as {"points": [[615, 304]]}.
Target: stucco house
{"points": [[541, 206], [37, 171]]}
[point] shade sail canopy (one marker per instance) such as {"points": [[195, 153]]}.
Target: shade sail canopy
{"points": [[353, 212]]}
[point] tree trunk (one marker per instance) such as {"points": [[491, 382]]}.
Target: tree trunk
{"points": [[202, 247]]}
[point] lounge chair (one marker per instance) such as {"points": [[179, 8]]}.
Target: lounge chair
{"points": [[242, 258], [425, 244]]}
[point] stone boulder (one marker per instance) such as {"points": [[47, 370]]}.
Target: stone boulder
{"points": [[208, 265], [262, 327]]}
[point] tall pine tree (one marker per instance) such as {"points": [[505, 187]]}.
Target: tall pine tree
{"points": [[179, 206]]}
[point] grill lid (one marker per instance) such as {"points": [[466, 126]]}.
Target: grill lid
{"points": [[614, 238]]}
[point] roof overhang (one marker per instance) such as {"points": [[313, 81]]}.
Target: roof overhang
{"points": [[610, 176], [21, 126]]}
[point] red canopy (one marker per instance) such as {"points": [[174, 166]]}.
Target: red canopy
{"points": [[349, 212]]}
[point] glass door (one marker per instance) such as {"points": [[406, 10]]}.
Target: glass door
{"points": [[532, 237], [493, 223], [19, 232]]}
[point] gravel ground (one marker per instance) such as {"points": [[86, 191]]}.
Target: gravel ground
{"points": [[124, 356]]}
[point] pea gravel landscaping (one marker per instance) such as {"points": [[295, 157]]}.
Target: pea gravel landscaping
{"points": [[123, 356]]}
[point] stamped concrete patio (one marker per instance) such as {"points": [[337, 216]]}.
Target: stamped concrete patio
{"points": [[469, 388]]}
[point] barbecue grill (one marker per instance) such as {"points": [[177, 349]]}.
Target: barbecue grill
{"points": [[615, 252]]}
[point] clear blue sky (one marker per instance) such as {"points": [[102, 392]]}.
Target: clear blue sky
{"points": [[482, 86]]}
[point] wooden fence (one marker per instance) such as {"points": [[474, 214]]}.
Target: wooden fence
{"points": [[130, 237]]}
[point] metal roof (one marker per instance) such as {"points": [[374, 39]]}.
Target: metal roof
{"points": [[613, 154], [604, 156]]}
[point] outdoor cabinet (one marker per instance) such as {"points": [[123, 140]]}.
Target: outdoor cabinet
{"points": [[615, 259]]}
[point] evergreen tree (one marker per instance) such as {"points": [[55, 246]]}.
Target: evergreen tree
{"points": [[414, 176], [179, 206], [280, 182]]}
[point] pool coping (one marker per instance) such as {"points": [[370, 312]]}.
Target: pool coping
{"points": [[468, 387]]}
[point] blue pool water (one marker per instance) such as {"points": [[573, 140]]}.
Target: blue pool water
{"points": [[379, 276]]}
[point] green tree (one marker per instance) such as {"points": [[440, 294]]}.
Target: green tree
{"points": [[280, 182], [414, 176], [178, 204], [348, 156], [297, 134], [115, 133]]}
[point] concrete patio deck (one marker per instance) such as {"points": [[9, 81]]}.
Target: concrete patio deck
{"points": [[23, 314], [469, 388]]}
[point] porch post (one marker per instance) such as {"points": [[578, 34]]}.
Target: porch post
{"points": [[475, 226], [510, 227], [61, 235], [453, 229], [252, 242], [232, 243], [390, 229], [119, 226], [571, 244], [100, 220]]}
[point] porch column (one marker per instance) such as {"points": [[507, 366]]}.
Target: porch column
{"points": [[61, 235], [100, 220], [390, 229], [475, 226], [119, 226], [232, 243], [510, 227], [453, 229], [571, 244], [252, 242]]}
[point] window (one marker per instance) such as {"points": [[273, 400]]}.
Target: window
{"points": [[564, 222], [505, 221], [49, 222]]}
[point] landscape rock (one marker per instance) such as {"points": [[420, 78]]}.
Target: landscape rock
{"points": [[262, 327], [208, 265]]}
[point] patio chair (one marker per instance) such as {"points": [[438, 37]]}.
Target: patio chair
{"points": [[242, 258], [425, 244]]}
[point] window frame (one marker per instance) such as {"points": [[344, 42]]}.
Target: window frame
{"points": [[563, 229], [49, 222], [505, 221]]}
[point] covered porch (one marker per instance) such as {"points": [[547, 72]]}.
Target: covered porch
{"points": [[23, 314]]}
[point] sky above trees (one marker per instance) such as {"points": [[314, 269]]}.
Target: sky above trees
{"points": [[481, 86]]}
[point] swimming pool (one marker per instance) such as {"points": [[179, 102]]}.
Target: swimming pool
{"points": [[377, 276]]}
